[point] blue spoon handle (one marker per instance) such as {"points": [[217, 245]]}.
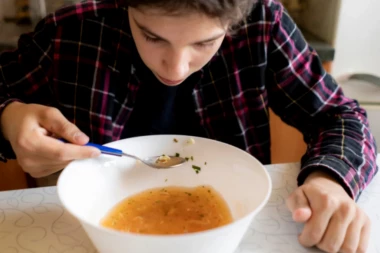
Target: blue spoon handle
{"points": [[106, 150], [103, 149]]}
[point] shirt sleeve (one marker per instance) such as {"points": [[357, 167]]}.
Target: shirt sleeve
{"points": [[304, 95], [25, 72]]}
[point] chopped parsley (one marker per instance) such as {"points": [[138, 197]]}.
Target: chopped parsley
{"points": [[175, 140], [196, 168], [177, 154]]}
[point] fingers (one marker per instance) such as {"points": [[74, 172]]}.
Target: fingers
{"points": [[38, 172], [323, 208], [50, 155], [298, 204], [336, 231], [38, 140], [337, 224], [354, 231], [37, 144], [51, 148], [38, 166], [364, 237], [53, 120], [33, 133]]}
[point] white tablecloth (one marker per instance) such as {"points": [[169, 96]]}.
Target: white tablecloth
{"points": [[33, 221]]}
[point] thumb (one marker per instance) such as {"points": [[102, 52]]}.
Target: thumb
{"points": [[58, 125], [298, 204]]}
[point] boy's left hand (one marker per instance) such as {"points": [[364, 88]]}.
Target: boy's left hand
{"points": [[333, 221]]}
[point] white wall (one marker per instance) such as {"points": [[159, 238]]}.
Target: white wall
{"points": [[358, 51], [358, 38], [37, 10]]}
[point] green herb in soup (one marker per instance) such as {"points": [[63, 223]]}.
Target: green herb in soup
{"points": [[196, 168]]}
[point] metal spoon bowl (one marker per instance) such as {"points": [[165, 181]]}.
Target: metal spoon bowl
{"points": [[153, 161]]}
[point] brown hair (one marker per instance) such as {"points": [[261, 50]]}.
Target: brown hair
{"points": [[231, 11]]}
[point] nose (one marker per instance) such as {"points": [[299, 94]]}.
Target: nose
{"points": [[176, 65]]}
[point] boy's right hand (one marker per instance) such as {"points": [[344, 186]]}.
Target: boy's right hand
{"points": [[33, 130]]}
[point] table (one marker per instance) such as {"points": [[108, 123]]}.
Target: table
{"points": [[34, 221]]}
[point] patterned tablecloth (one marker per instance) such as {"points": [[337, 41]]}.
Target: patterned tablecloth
{"points": [[34, 221]]}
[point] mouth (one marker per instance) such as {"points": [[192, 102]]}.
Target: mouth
{"points": [[168, 81]]}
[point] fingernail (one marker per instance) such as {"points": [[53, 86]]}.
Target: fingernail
{"points": [[95, 153], [80, 137]]}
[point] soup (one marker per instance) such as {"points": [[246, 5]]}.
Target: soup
{"points": [[170, 210]]}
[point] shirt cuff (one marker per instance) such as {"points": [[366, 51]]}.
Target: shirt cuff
{"points": [[345, 175], [6, 150]]}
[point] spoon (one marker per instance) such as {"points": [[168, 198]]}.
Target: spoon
{"points": [[157, 162]]}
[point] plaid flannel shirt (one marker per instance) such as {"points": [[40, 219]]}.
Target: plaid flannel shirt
{"points": [[80, 60]]}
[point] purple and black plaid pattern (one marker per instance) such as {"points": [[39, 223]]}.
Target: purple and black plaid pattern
{"points": [[82, 58]]}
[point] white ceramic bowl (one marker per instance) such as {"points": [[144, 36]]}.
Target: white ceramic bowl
{"points": [[88, 189]]}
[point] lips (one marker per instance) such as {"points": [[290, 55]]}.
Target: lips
{"points": [[168, 81]]}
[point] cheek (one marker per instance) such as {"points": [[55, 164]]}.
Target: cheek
{"points": [[148, 53], [202, 58]]}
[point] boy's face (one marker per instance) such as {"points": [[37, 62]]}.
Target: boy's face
{"points": [[174, 47]]}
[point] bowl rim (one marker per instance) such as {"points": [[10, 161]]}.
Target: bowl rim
{"points": [[172, 236]]}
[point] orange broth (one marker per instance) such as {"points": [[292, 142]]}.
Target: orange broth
{"points": [[170, 210]]}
